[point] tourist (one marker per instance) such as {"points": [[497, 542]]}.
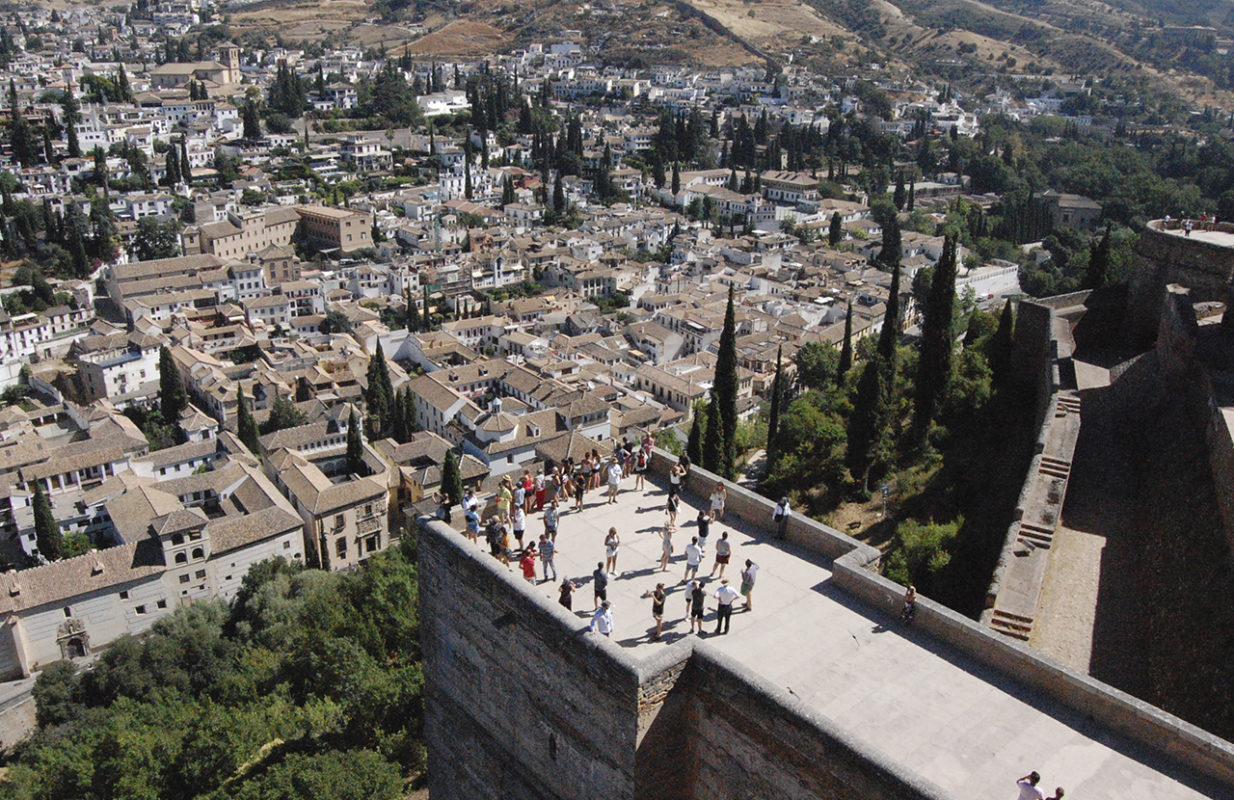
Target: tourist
{"points": [[551, 516], [910, 605], [657, 608], [470, 501], [780, 517], [597, 470], [724, 549], [504, 497], [566, 594], [694, 556], [541, 488], [704, 529], [519, 522], [520, 495], [671, 508], [528, 563], [615, 474], [719, 496], [648, 444], [529, 491], [1058, 794], [602, 620], [580, 488], [612, 543], [1187, 227], [1028, 787], [473, 523], [674, 479], [747, 583], [724, 610], [548, 549], [443, 508], [492, 535], [694, 605], [600, 584], [640, 469], [666, 549], [506, 550]]}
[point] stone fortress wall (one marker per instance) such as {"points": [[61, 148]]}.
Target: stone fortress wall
{"points": [[1163, 257], [521, 704]]}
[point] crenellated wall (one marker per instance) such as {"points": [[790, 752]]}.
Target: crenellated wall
{"points": [[1162, 258]]}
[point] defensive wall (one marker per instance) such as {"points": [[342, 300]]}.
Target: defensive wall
{"points": [[1203, 262], [520, 703], [1041, 369]]}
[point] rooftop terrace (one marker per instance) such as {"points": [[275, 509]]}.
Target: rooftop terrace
{"points": [[947, 717]]}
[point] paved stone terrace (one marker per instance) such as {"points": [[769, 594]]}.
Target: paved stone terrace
{"points": [[957, 723]]}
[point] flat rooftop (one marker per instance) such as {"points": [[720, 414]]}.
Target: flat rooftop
{"points": [[952, 720], [1213, 237]]}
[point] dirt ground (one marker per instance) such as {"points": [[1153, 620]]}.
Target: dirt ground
{"points": [[461, 37], [768, 23]]}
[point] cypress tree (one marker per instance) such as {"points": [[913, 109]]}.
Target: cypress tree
{"points": [[866, 423], [890, 333], [724, 389], [835, 232], [694, 443], [69, 104], [380, 395], [355, 446], [846, 350], [24, 148], [676, 185], [172, 396], [1098, 263], [713, 439], [912, 192], [893, 250], [452, 479], [773, 415], [559, 196], [246, 427], [998, 349], [899, 197], [934, 365], [46, 531]]}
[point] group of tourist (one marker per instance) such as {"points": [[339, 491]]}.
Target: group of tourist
{"points": [[505, 532], [1205, 223], [1029, 790]]}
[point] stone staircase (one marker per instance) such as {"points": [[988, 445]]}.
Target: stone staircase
{"points": [[1067, 404], [1037, 537], [1012, 625]]}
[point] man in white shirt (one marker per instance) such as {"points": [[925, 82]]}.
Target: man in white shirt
{"points": [[1028, 787], [780, 517], [694, 557], [614, 480], [602, 620], [724, 611]]}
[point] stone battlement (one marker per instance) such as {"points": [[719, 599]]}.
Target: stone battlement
{"points": [[816, 693], [1203, 262]]}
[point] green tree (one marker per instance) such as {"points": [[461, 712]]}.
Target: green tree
{"points": [[867, 424], [920, 552], [676, 184], [413, 312], [835, 231], [251, 120], [694, 443], [937, 343], [156, 239], [379, 394], [173, 397], [724, 390], [56, 694], [999, 346], [899, 197], [283, 415], [1098, 263], [889, 336], [72, 116], [47, 534], [355, 446], [773, 414], [713, 439], [816, 365], [452, 479], [846, 350], [246, 426]]}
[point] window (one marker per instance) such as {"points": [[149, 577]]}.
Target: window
{"points": [[184, 578], [338, 522], [161, 604], [177, 538], [200, 574], [181, 558], [140, 610], [68, 612], [287, 545], [370, 544], [198, 553], [124, 595], [368, 510], [340, 548]]}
